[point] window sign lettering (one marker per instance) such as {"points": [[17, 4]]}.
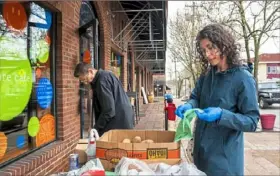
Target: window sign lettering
{"points": [[15, 81]]}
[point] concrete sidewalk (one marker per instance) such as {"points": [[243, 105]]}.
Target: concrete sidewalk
{"points": [[261, 148]]}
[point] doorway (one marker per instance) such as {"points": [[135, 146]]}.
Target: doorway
{"points": [[89, 53]]}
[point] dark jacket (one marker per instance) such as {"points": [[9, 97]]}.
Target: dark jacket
{"points": [[112, 107], [219, 146]]}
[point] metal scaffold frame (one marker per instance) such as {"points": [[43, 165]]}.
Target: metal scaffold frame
{"points": [[144, 32]]}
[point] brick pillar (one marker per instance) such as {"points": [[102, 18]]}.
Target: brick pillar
{"points": [[149, 79], [144, 78], [152, 83], [148, 85], [124, 71], [132, 78], [105, 33], [139, 77]]}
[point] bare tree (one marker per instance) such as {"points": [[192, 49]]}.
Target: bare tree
{"points": [[252, 21], [265, 21], [183, 29]]}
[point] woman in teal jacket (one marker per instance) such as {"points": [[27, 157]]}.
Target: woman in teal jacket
{"points": [[226, 92]]}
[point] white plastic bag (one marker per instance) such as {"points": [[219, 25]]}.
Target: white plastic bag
{"points": [[127, 166], [94, 164], [165, 169], [183, 168], [91, 147], [190, 169]]}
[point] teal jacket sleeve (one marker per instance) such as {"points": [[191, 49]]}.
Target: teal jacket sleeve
{"points": [[247, 117], [195, 95]]}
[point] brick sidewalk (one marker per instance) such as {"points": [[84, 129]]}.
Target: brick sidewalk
{"points": [[261, 148]]}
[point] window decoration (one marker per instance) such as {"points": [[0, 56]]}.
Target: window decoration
{"points": [[33, 126], [116, 61], [3, 144], [27, 116], [20, 141], [14, 15], [86, 56], [44, 93], [47, 130]]}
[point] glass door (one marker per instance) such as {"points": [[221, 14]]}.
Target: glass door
{"points": [[88, 54]]}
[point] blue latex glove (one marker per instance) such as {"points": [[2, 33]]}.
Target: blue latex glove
{"points": [[209, 114], [180, 111]]}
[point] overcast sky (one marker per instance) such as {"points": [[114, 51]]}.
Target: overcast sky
{"points": [[271, 46]]}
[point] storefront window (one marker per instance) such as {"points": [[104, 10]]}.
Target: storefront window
{"points": [[27, 106]]}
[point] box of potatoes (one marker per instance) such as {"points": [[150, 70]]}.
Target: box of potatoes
{"points": [[140, 144]]}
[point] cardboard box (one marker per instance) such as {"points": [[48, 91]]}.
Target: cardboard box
{"points": [[110, 149], [170, 162], [81, 150]]}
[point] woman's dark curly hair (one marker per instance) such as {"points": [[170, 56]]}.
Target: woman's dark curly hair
{"points": [[223, 40]]}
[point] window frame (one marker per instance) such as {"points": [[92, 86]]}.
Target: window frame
{"points": [[271, 69], [53, 64]]}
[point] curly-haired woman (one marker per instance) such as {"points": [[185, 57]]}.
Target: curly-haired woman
{"points": [[226, 93]]}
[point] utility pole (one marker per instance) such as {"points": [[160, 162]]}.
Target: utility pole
{"points": [[176, 83]]}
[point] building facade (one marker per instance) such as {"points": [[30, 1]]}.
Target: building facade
{"points": [[43, 108], [269, 66]]}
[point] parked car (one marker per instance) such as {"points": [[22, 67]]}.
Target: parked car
{"points": [[268, 94]]}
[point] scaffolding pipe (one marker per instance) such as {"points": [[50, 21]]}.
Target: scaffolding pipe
{"points": [[150, 29], [157, 70], [151, 60], [141, 44], [140, 54], [142, 10], [134, 26], [146, 41], [147, 50], [129, 22], [138, 33]]}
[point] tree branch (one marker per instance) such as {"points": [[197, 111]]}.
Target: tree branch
{"points": [[266, 22]]}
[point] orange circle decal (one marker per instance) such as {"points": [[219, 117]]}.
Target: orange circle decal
{"points": [[47, 130], [3, 144], [48, 39], [14, 15], [38, 72], [86, 57]]}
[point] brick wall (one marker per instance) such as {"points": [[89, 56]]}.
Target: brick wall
{"points": [[54, 157], [102, 9]]}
